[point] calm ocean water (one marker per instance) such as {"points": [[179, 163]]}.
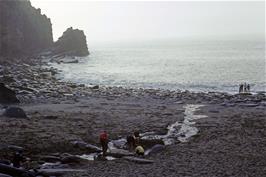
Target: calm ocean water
{"points": [[186, 65]]}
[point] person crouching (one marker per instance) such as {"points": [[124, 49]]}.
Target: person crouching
{"points": [[139, 151]]}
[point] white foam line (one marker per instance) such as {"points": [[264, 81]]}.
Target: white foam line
{"points": [[186, 130]]}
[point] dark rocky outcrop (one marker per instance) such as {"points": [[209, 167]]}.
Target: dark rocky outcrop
{"points": [[71, 43], [23, 29], [7, 96], [15, 112], [8, 170]]}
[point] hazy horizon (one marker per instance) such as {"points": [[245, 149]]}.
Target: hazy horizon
{"points": [[133, 21]]}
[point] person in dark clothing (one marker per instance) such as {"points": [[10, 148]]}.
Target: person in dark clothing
{"points": [[241, 86], [17, 159], [136, 138], [131, 142], [104, 142], [245, 87], [248, 88]]}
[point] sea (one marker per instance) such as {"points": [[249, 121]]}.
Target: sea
{"points": [[194, 65]]}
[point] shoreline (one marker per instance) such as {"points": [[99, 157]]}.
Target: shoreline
{"points": [[60, 112]]}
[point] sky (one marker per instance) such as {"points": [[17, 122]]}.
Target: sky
{"points": [[128, 21]]}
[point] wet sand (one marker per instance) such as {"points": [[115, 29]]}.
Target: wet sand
{"points": [[230, 141]]}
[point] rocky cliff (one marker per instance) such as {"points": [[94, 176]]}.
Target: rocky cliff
{"points": [[23, 29], [72, 42]]}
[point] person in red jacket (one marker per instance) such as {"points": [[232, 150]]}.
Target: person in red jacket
{"points": [[104, 142]]}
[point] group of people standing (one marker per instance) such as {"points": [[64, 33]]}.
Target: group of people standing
{"points": [[244, 88], [133, 143]]}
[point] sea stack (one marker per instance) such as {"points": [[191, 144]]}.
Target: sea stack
{"points": [[72, 43]]}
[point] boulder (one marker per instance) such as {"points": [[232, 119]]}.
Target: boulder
{"points": [[46, 75], [138, 160], [249, 105], [71, 60], [57, 165], [56, 172], [15, 148], [155, 149], [96, 87], [15, 112], [12, 171], [85, 146], [119, 153], [71, 43], [7, 96], [51, 159], [149, 143], [120, 143], [4, 175], [73, 159], [6, 162]]}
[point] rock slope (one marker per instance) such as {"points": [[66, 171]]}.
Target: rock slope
{"points": [[23, 29]]}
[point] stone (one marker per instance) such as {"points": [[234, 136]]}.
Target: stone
{"points": [[149, 143], [12, 171], [6, 162], [138, 160], [56, 172], [73, 159], [50, 117], [249, 105], [214, 111], [4, 175], [119, 153], [15, 112], [57, 165], [7, 96], [67, 61], [46, 75], [50, 158], [120, 143], [85, 146], [15, 148], [95, 87], [155, 149]]}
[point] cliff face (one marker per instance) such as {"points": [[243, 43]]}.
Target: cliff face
{"points": [[72, 42], [23, 29]]}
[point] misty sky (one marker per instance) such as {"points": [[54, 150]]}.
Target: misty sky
{"points": [[115, 21]]}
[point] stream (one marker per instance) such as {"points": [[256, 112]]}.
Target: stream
{"points": [[177, 132]]}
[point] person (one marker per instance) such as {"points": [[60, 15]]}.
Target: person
{"points": [[104, 142], [245, 87], [131, 142], [136, 138], [139, 150], [241, 88], [248, 88], [17, 159]]}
